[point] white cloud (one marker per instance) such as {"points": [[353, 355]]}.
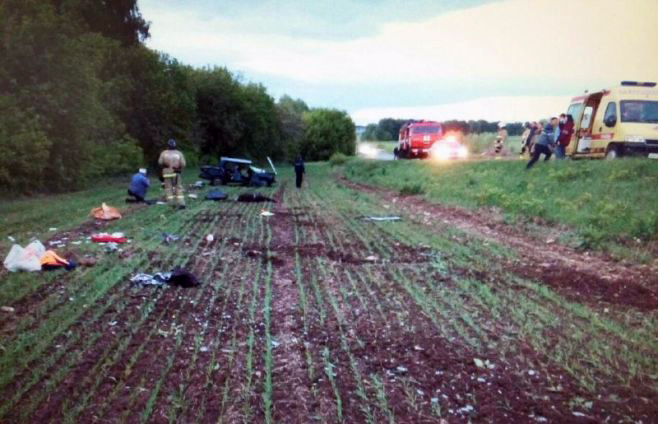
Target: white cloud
{"points": [[539, 39], [530, 47]]}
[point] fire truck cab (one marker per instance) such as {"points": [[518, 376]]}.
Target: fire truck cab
{"points": [[416, 139], [620, 121]]}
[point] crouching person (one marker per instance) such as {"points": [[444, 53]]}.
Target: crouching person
{"points": [[139, 185]]}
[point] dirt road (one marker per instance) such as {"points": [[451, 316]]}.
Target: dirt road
{"points": [[317, 315]]}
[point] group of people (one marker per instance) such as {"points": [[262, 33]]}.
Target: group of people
{"points": [[553, 137], [172, 162]]}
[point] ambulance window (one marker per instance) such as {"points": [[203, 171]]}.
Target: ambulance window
{"points": [[587, 117], [610, 110], [575, 110]]}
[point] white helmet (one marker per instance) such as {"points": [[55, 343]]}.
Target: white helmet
{"points": [[501, 124], [142, 171]]}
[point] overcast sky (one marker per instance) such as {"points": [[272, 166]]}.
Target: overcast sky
{"points": [[436, 59]]}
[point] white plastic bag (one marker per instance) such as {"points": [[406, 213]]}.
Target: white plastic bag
{"points": [[25, 259]]}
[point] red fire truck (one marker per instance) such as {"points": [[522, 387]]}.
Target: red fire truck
{"points": [[416, 139]]}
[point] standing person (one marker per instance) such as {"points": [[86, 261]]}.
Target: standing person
{"points": [[299, 171], [139, 185], [566, 131], [525, 137], [500, 138], [172, 162], [545, 143]]}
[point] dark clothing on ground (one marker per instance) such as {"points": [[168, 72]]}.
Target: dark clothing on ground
{"points": [[538, 151], [299, 172], [139, 184]]}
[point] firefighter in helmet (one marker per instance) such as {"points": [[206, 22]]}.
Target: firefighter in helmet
{"points": [[500, 138], [172, 162]]}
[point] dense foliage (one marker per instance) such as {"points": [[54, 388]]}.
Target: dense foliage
{"points": [[388, 128], [328, 131], [82, 97]]}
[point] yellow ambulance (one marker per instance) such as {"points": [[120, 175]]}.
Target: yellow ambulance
{"points": [[620, 121]]}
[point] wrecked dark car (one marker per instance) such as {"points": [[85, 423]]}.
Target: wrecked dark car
{"points": [[238, 171]]}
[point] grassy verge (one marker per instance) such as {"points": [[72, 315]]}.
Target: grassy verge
{"points": [[606, 205]]}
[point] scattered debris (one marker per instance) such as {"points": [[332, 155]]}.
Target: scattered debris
{"points": [[178, 277], [382, 218], [199, 184], [192, 196], [466, 409], [266, 213], [157, 279], [109, 238], [401, 369], [372, 258], [169, 238], [50, 260], [111, 247], [52, 229], [203, 349], [254, 197], [183, 278], [484, 364], [25, 259], [216, 195], [106, 213], [7, 309], [11, 239], [210, 238]]}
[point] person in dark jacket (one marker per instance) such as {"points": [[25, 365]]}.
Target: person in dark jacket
{"points": [[545, 143], [299, 171], [139, 185]]}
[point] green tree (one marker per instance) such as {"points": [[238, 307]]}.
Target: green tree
{"points": [[328, 131], [290, 112]]}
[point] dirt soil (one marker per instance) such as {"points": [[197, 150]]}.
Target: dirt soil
{"points": [[349, 343], [583, 276]]}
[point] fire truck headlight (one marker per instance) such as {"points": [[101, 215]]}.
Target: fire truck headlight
{"points": [[441, 152]]}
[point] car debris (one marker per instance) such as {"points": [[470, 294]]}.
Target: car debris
{"points": [[382, 218], [169, 238], [266, 213], [7, 309]]}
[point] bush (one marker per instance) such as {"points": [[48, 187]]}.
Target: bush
{"points": [[338, 159]]}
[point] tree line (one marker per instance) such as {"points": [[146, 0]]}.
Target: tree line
{"points": [[82, 97], [388, 128]]}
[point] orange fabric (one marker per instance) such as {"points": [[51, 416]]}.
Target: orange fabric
{"points": [[53, 259], [106, 213]]}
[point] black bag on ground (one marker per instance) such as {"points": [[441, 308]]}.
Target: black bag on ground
{"points": [[183, 278], [254, 197]]}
